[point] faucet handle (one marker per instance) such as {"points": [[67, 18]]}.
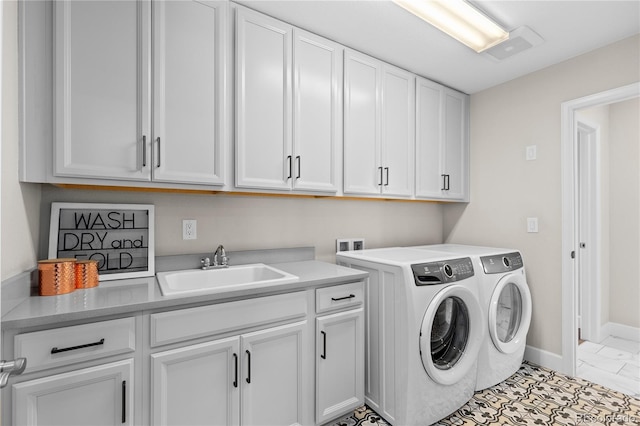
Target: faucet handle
{"points": [[206, 263]]}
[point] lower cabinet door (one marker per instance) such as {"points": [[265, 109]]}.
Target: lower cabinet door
{"points": [[197, 385], [273, 376], [339, 364], [101, 395]]}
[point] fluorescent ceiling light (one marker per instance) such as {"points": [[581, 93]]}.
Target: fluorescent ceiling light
{"points": [[458, 19]]}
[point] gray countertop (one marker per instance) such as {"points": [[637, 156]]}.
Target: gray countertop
{"points": [[135, 295]]}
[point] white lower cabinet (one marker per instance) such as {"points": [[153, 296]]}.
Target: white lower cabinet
{"points": [[251, 379], [339, 351], [101, 395], [196, 385]]}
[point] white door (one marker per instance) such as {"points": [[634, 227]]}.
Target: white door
{"points": [[363, 173], [317, 112], [429, 117], [456, 143], [273, 385], [263, 102], [339, 363], [102, 100], [188, 89], [398, 129], [197, 385], [96, 396]]}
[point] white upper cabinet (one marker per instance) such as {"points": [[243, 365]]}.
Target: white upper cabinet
{"points": [[188, 91], [378, 127], [287, 106], [317, 113], [104, 71], [398, 115], [102, 108], [442, 142]]}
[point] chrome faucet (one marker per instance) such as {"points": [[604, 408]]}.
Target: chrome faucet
{"points": [[220, 260]]}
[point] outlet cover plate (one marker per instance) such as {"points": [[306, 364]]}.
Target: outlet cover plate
{"points": [[189, 229]]}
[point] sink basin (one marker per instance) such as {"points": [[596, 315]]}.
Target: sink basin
{"points": [[220, 280]]}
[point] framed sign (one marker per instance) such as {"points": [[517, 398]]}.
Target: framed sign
{"points": [[119, 236]]}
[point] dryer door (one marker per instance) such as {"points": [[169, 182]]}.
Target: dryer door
{"points": [[451, 334], [510, 313]]}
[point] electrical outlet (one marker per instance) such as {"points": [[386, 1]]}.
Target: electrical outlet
{"points": [[343, 245], [357, 243], [189, 229]]}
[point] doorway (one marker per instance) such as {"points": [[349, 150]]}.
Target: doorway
{"points": [[575, 263]]}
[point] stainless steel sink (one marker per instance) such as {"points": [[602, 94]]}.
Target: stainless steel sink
{"points": [[221, 280]]}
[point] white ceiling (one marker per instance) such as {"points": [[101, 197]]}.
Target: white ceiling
{"points": [[384, 30]]}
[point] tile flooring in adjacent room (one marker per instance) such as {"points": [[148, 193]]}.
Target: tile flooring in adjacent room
{"points": [[533, 396], [613, 363]]}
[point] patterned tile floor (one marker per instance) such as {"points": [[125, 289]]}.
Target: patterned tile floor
{"points": [[533, 396]]}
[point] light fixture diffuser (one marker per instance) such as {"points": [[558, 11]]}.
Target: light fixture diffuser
{"points": [[458, 19]]}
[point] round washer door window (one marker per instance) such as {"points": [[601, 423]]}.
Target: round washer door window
{"points": [[450, 336], [510, 313]]}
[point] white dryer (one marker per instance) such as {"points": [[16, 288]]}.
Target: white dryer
{"points": [[424, 325], [506, 298]]}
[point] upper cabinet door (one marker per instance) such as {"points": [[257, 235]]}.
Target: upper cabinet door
{"points": [[398, 130], [363, 173], [429, 117], [456, 141], [188, 89], [442, 142], [102, 116], [317, 112], [263, 101]]}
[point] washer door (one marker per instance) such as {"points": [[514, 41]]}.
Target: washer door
{"points": [[510, 313], [451, 335]]}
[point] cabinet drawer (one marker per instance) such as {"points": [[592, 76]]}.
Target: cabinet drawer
{"points": [[66, 345], [185, 324], [339, 296]]}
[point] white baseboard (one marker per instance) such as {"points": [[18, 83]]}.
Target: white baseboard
{"points": [[543, 358], [619, 330]]}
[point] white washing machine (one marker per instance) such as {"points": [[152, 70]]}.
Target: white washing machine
{"points": [[505, 296], [425, 326]]}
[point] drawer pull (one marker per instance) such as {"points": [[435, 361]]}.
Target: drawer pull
{"points": [[73, 348], [351, 296]]}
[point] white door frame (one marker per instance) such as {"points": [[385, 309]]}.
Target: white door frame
{"points": [[569, 218]]}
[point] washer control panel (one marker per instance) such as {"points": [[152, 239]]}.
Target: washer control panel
{"points": [[500, 263], [448, 271]]}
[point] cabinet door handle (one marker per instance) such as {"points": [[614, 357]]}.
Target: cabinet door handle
{"points": [[444, 182], [248, 366], [289, 159], [324, 345], [73, 348], [235, 360], [386, 169], [144, 151], [380, 170], [158, 140], [124, 401], [351, 296], [299, 166], [448, 178]]}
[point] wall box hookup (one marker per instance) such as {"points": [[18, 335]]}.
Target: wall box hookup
{"points": [[357, 243], [343, 245]]}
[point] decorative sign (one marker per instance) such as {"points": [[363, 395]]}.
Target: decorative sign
{"points": [[118, 236]]}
